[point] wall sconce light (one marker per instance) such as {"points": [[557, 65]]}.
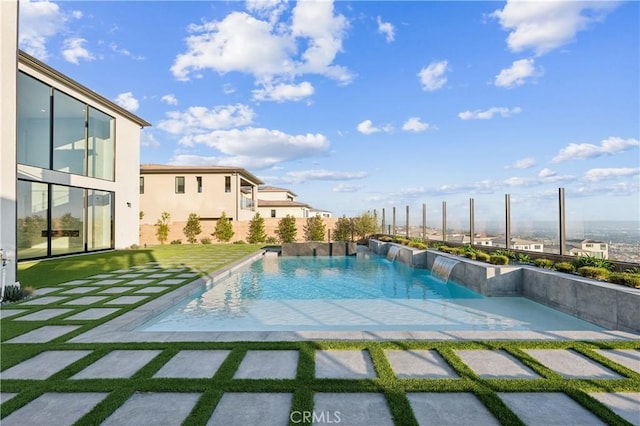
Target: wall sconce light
{"points": [[128, 204]]}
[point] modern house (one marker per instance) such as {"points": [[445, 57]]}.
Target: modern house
{"points": [[207, 191], [68, 160], [593, 248], [280, 202]]}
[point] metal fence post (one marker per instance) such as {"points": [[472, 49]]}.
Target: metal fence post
{"points": [[444, 221], [424, 222], [471, 221], [562, 224], [507, 224], [394, 222], [407, 228]]}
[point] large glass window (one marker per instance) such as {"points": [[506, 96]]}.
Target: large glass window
{"points": [[67, 219], [101, 147], [69, 143], [34, 119], [33, 209], [99, 220]]}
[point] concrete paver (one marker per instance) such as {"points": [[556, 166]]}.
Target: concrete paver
{"points": [[108, 282], [241, 409], [43, 314], [43, 300], [357, 409], [268, 365], [140, 281], [450, 409], [44, 334], [117, 364], [92, 314], [101, 276], [171, 281], [75, 282], [116, 290], [7, 313], [86, 300], [344, 364], [126, 300], [43, 365], [157, 408], [495, 364], [193, 364], [79, 290], [546, 409], [419, 364], [5, 396], [629, 358], [624, 404], [44, 290], [65, 408], [571, 364], [151, 290]]}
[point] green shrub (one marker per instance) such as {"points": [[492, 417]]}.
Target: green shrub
{"points": [[314, 229], [256, 232], [176, 242], [564, 267], [224, 229], [459, 251], [239, 242], [522, 258], [482, 256], [385, 239], [162, 227], [445, 249], [205, 240], [498, 259], [470, 255], [594, 272], [625, 278], [418, 245], [271, 240], [634, 271], [192, 229], [504, 252], [544, 263], [596, 262], [13, 293], [287, 229], [401, 240]]}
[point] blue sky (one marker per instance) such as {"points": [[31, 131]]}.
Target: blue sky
{"points": [[358, 105]]}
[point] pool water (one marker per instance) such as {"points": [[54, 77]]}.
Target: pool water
{"points": [[366, 293]]}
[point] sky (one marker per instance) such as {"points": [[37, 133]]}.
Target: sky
{"points": [[362, 105]]}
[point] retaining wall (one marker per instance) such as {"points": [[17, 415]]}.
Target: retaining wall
{"points": [[319, 249]]}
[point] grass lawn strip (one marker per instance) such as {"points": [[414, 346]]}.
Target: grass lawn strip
{"points": [[51, 273]]}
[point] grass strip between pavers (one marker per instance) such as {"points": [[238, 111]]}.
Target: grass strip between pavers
{"points": [[303, 387]]}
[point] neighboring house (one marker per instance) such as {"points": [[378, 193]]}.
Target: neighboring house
{"points": [[68, 157], [280, 202], [478, 241], [207, 191], [520, 244], [593, 248]]}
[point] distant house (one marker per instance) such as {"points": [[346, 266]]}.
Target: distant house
{"points": [[593, 248], [205, 190], [478, 241], [521, 244], [278, 202]]}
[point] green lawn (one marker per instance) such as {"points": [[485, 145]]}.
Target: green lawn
{"points": [[202, 259]]}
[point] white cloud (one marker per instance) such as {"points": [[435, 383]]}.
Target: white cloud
{"points": [[546, 173], [74, 50], [546, 25], [122, 51], [258, 148], [39, 21], [413, 124], [524, 163], [346, 187], [170, 99], [284, 92], [387, 29], [433, 77], [127, 101], [147, 139], [596, 175], [319, 174], [268, 49], [366, 127], [517, 74], [197, 119], [489, 113], [582, 151]]}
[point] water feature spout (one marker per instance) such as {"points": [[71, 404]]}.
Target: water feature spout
{"points": [[442, 267], [393, 253]]}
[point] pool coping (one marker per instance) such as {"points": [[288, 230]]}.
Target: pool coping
{"points": [[124, 327]]}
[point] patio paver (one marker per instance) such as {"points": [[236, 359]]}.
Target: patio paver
{"points": [[171, 281], [158, 408], [280, 364], [154, 289], [44, 290], [495, 364], [139, 282], [126, 300], [545, 409], [115, 290], [44, 314], [457, 408], [571, 365], [79, 290], [117, 364], [344, 364], [44, 334], [629, 358], [93, 314], [5, 396], [357, 409], [43, 300], [193, 364], [108, 282], [75, 282], [241, 409], [7, 313], [624, 404], [43, 365], [65, 408], [86, 300], [419, 363]]}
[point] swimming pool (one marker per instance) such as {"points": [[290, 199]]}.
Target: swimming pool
{"points": [[366, 293]]}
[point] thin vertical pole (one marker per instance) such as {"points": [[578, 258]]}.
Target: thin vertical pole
{"points": [[424, 222], [407, 228], [383, 221], [394, 222], [507, 225], [563, 229], [471, 221], [444, 221]]}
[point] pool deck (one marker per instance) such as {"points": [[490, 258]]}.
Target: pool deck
{"points": [[275, 408]]}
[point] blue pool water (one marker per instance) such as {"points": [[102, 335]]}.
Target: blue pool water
{"points": [[366, 293]]}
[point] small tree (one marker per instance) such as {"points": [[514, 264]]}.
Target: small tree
{"points": [[224, 229], [256, 233], [287, 229], [315, 229], [162, 227], [192, 229], [342, 230], [365, 225]]}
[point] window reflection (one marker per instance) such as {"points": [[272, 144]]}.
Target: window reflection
{"points": [[33, 122], [101, 147], [33, 207], [68, 134]]}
